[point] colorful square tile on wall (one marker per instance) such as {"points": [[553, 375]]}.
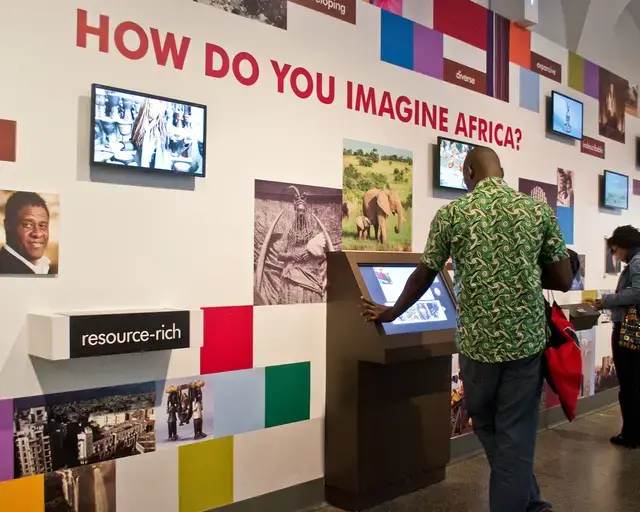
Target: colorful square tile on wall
{"points": [[205, 475], [470, 27], [529, 90], [397, 44], [520, 46], [23, 494], [393, 6], [228, 339], [428, 51], [287, 394], [238, 402], [8, 140]]}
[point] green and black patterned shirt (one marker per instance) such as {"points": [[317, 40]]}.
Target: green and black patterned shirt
{"points": [[498, 239]]}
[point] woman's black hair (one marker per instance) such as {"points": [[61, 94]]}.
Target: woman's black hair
{"points": [[625, 237], [575, 263]]}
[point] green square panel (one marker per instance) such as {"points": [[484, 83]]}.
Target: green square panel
{"points": [[287, 394]]}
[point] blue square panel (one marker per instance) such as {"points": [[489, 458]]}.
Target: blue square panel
{"points": [[529, 90], [238, 402], [565, 221], [396, 45]]}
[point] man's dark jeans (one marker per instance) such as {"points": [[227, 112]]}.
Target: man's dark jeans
{"points": [[503, 401]]}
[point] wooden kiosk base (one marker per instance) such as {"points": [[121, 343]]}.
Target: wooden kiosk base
{"points": [[388, 423]]}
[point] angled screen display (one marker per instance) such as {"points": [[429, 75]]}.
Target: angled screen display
{"points": [[434, 311]]}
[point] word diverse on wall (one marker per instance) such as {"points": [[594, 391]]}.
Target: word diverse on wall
{"points": [[246, 70]]}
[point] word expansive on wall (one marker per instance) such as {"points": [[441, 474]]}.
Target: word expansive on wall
{"points": [[106, 334]]}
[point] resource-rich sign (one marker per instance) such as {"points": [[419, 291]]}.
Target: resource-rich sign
{"points": [[101, 335], [546, 67], [592, 147]]}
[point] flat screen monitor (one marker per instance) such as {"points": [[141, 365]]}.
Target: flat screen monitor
{"points": [[449, 162], [615, 191], [141, 131], [435, 311], [566, 116]]}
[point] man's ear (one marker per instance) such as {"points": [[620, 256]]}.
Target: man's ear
{"points": [[501, 172]]}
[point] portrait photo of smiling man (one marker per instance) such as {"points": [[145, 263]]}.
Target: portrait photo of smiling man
{"points": [[30, 245]]}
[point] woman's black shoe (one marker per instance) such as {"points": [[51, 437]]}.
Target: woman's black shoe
{"points": [[621, 441]]}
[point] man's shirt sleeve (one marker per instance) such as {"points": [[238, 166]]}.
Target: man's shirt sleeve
{"points": [[553, 246], [438, 248]]}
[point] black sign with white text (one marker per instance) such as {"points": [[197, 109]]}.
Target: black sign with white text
{"points": [[101, 335]]}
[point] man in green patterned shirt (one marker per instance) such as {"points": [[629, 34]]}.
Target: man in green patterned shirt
{"points": [[506, 247]]}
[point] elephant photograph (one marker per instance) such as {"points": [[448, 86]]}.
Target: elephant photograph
{"points": [[377, 197]]}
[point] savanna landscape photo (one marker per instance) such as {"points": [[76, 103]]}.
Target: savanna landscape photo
{"points": [[377, 184]]}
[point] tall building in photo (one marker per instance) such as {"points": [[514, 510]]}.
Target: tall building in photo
{"points": [[32, 444]]}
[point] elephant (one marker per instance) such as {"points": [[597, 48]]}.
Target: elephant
{"points": [[377, 205], [346, 210], [364, 226]]}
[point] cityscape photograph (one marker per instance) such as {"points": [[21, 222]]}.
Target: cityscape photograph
{"points": [[68, 430]]}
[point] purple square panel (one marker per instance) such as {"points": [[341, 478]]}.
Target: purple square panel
{"points": [[591, 79], [6, 440], [428, 51]]}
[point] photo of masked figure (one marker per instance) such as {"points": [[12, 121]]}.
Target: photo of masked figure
{"points": [[30, 233], [295, 227]]}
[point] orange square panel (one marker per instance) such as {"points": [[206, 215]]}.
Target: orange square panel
{"points": [[8, 140]]}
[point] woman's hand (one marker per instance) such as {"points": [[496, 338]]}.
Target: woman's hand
{"points": [[596, 303], [373, 312]]}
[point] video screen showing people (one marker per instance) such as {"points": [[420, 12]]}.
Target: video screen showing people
{"points": [[433, 312], [452, 156], [148, 133]]}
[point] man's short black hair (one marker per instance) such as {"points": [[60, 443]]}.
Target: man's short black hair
{"points": [[625, 237], [16, 202]]}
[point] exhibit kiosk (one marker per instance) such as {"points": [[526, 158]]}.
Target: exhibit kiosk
{"points": [[388, 385]]}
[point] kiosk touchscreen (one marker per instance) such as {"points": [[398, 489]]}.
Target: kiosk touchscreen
{"points": [[388, 395], [433, 312]]}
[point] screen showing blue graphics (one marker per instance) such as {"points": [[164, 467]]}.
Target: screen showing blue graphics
{"points": [[567, 115], [434, 311], [616, 190]]}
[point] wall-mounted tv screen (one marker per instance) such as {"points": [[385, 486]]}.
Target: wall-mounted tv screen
{"points": [[566, 116], [434, 311], [615, 191], [141, 131], [449, 163]]}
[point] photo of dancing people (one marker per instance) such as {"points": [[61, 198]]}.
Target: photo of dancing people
{"points": [[145, 132]]}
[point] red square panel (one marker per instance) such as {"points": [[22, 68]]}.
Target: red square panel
{"points": [[462, 19], [8, 135], [228, 339]]}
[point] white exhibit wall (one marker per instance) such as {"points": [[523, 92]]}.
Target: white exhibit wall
{"points": [[134, 247]]}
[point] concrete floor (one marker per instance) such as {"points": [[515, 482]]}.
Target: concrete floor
{"points": [[577, 469]]}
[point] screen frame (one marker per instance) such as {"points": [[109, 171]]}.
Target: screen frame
{"points": [[436, 164], [146, 170], [604, 191], [550, 116], [396, 259]]}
